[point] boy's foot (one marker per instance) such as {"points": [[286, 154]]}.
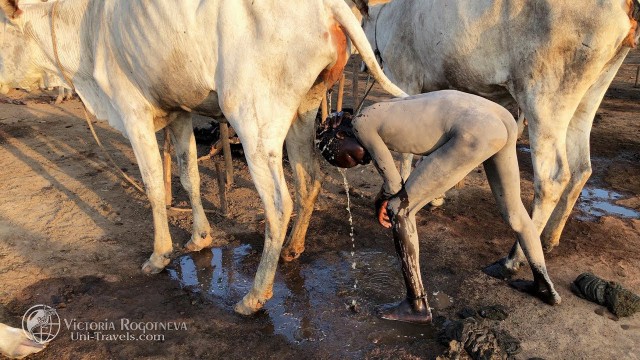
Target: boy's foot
{"points": [[411, 311], [551, 297]]}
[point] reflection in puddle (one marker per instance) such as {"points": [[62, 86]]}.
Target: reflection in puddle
{"points": [[440, 300], [310, 299], [595, 203]]}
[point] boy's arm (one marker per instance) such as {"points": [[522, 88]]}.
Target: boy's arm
{"points": [[382, 158]]}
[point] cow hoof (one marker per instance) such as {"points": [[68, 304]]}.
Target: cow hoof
{"points": [[198, 243], [548, 247], [550, 297], [155, 264], [247, 307], [499, 270], [289, 255]]}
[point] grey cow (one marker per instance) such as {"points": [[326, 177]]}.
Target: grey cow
{"points": [[555, 59]]}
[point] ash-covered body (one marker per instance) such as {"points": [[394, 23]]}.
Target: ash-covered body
{"points": [[455, 132]]}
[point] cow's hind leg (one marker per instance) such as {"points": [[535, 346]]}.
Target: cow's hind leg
{"points": [[504, 179], [141, 133], [578, 152], [306, 170], [263, 150], [182, 135]]}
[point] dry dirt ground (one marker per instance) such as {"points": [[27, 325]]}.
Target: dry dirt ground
{"points": [[73, 235]]}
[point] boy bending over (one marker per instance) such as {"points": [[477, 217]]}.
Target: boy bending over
{"points": [[454, 132]]}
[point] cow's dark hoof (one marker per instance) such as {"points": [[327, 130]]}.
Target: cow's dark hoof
{"points": [[499, 270]]}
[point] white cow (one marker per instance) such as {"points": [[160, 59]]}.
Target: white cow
{"points": [[51, 81], [144, 65], [47, 80], [555, 59], [15, 344]]}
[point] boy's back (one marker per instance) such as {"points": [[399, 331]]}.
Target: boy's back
{"points": [[421, 123]]}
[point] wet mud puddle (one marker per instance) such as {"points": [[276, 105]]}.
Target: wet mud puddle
{"points": [[330, 297], [596, 202], [312, 297]]}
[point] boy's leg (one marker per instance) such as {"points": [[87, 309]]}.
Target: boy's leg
{"points": [[504, 178], [436, 173], [414, 308]]}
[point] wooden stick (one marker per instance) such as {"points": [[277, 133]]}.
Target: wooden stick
{"points": [[637, 74], [226, 150], [355, 83], [340, 93], [217, 147], [166, 153], [325, 110], [222, 188]]}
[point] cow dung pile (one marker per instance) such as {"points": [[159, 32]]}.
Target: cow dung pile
{"points": [[620, 301], [477, 336]]}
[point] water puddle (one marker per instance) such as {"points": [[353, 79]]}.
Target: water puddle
{"points": [[440, 300], [595, 203], [330, 297], [311, 299]]}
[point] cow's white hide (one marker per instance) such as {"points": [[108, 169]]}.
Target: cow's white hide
{"points": [[139, 64]]}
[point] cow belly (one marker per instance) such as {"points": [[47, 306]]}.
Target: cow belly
{"points": [[210, 106], [176, 84]]}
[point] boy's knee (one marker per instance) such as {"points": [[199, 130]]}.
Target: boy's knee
{"points": [[398, 205]]}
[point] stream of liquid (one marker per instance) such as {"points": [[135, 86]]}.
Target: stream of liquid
{"points": [[351, 231]]}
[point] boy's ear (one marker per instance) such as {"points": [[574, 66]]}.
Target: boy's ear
{"points": [[11, 8]]}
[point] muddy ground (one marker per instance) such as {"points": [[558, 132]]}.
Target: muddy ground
{"points": [[73, 235]]}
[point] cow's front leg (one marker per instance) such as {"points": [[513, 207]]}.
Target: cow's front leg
{"points": [[306, 170], [264, 155], [60, 98], [140, 130], [182, 132]]}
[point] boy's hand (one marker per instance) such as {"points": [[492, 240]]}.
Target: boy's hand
{"points": [[380, 207], [381, 212]]}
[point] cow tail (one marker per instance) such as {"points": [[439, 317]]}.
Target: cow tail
{"points": [[342, 13]]}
